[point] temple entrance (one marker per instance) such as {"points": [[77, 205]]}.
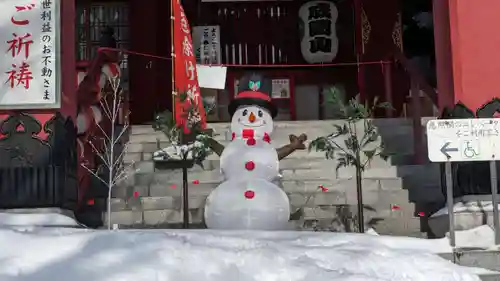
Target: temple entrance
{"points": [[145, 29]]}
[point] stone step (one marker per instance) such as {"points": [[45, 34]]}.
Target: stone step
{"points": [[394, 144], [490, 277], [396, 133], [322, 207], [313, 167], [294, 125], [308, 195], [488, 259], [297, 160], [146, 174]]}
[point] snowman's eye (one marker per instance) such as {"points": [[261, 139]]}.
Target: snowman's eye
{"points": [[260, 113], [245, 112]]}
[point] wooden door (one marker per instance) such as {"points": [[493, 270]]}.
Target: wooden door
{"points": [[164, 66], [143, 69]]}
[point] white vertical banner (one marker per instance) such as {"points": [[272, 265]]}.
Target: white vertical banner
{"points": [[30, 61], [206, 41]]}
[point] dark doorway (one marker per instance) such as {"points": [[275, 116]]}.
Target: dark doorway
{"points": [[418, 37]]}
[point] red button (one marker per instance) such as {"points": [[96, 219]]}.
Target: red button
{"points": [[249, 194], [250, 165], [251, 142]]}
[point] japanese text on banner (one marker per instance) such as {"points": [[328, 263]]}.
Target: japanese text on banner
{"points": [[185, 74], [29, 64]]}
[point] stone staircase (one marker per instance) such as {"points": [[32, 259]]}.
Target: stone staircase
{"points": [[487, 259], [390, 188]]}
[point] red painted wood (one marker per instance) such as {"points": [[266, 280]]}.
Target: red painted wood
{"points": [[163, 68], [380, 46], [444, 68]]}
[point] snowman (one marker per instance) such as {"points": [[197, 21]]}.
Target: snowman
{"points": [[248, 198]]}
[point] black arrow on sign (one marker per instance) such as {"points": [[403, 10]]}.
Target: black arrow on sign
{"points": [[445, 149]]}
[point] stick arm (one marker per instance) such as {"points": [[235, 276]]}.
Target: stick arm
{"points": [[215, 146], [285, 150], [296, 143]]}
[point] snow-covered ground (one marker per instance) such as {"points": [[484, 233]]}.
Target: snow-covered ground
{"points": [[29, 253]]}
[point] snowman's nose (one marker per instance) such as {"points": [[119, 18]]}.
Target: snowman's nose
{"points": [[251, 118]]}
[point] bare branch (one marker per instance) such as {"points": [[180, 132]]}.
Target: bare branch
{"points": [[99, 154], [104, 134], [124, 174], [94, 174], [119, 158], [105, 107], [124, 129]]}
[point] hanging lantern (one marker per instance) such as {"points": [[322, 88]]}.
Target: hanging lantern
{"points": [[318, 37]]}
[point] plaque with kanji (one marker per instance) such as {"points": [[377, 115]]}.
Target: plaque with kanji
{"points": [[30, 67]]}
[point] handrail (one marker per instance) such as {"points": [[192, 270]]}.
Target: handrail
{"points": [[93, 73], [418, 84], [415, 74]]}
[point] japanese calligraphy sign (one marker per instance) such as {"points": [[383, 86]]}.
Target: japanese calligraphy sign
{"points": [[319, 43], [206, 40], [185, 73], [29, 68]]}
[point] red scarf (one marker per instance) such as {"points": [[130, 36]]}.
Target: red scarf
{"points": [[250, 134]]}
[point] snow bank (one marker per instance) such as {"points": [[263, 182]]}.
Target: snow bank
{"points": [[203, 255], [37, 219], [466, 207]]}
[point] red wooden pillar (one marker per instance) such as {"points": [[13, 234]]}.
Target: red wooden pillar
{"points": [[359, 45], [467, 40]]}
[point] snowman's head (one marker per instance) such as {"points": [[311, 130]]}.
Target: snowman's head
{"points": [[252, 117]]}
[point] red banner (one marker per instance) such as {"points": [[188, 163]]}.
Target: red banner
{"points": [[185, 75]]}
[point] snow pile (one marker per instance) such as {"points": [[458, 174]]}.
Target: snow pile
{"points": [[467, 207], [207, 255], [482, 237], [37, 219]]}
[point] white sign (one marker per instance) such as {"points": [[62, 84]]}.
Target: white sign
{"points": [[30, 64], [206, 41], [457, 140], [280, 88], [318, 40], [211, 77]]}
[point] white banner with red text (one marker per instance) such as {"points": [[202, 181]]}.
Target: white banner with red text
{"points": [[30, 61]]}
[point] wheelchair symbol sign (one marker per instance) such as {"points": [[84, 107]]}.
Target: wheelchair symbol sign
{"points": [[470, 149]]}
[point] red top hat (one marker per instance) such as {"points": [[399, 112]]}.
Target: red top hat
{"points": [[254, 90]]}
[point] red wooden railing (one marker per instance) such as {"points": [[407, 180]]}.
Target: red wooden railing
{"points": [[418, 85], [89, 94]]}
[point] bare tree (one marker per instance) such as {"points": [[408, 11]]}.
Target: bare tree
{"points": [[111, 146]]}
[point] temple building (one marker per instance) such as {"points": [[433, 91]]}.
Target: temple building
{"points": [[421, 56]]}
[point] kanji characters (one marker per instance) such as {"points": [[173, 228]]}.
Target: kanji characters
{"points": [[320, 44], [19, 75], [320, 11], [187, 47], [46, 4], [190, 70], [192, 93], [46, 15], [184, 22], [320, 27], [18, 43], [20, 9]]}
